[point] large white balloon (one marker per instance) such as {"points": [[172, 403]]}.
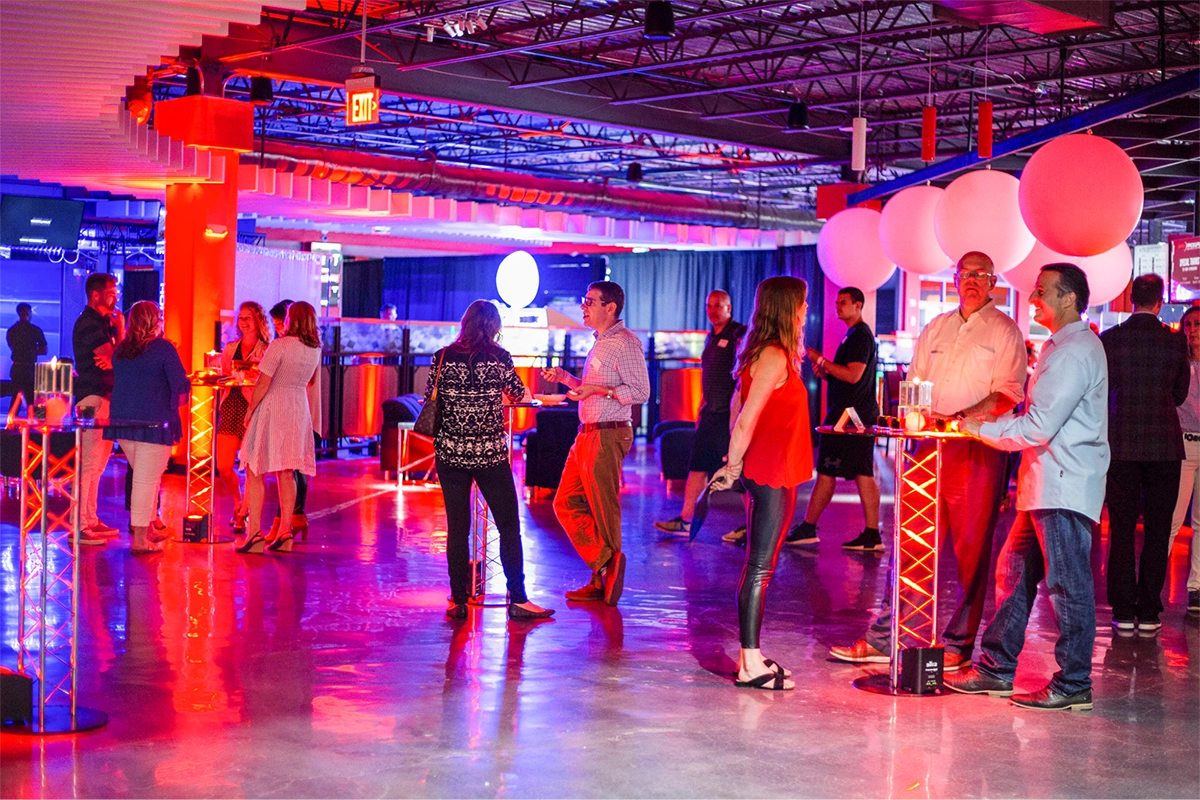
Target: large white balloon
{"points": [[517, 279], [1081, 194], [849, 251], [1023, 277], [1108, 273], [906, 231], [980, 211]]}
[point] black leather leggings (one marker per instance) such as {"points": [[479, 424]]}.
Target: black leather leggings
{"points": [[767, 520]]}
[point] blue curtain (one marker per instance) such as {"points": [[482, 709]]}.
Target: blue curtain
{"points": [[438, 289], [666, 290]]}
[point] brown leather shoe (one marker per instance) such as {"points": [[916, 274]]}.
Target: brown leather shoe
{"points": [[859, 653], [614, 578], [955, 661], [586, 594]]}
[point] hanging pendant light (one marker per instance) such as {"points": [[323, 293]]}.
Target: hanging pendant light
{"points": [[194, 84], [929, 133], [660, 21], [985, 129], [261, 91], [797, 117], [858, 144]]}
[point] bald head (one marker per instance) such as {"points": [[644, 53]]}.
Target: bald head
{"points": [[976, 260], [719, 309], [974, 279]]}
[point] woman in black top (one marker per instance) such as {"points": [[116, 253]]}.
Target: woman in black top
{"points": [[471, 447]]}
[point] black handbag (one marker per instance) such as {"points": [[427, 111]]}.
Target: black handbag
{"points": [[430, 419]]}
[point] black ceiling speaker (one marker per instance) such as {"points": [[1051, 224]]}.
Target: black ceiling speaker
{"points": [[193, 82], [261, 91], [634, 173], [797, 116], [660, 21]]}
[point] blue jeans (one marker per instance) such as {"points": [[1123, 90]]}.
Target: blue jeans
{"points": [[1054, 544]]}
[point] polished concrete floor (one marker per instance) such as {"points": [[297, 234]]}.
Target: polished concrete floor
{"points": [[332, 672]]}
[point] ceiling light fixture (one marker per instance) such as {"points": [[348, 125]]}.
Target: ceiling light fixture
{"points": [[195, 83], [262, 93], [634, 173], [660, 21], [797, 116]]}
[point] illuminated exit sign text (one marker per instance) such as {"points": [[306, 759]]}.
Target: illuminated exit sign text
{"points": [[362, 100]]}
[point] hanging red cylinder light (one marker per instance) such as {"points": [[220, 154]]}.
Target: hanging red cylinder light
{"points": [[985, 129], [928, 133]]}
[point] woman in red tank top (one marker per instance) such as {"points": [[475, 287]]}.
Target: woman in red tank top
{"points": [[770, 450]]}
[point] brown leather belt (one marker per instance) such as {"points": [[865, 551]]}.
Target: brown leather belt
{"points": [[588, 427]]}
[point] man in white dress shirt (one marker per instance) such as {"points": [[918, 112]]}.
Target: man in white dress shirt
{"points": [[1063, 436], [975, 357]]}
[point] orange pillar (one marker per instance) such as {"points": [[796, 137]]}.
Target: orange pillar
{"points": [[201, 224]]}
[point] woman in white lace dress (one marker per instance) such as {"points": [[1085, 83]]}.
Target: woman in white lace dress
{"points": [[279, 427]]}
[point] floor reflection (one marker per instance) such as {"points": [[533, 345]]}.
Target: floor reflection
{"points": [[333, 672]]}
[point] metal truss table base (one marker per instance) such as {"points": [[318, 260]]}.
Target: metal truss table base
{"points": [[58, 720]]}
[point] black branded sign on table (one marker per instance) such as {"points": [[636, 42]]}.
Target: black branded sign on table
{"points": [[1185, 261]]}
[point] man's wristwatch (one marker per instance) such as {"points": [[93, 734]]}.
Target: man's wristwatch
{"points": [[960, 416]]}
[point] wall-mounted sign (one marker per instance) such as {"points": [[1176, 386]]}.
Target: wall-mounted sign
{"points": [[362, 100], [1185, 260]]}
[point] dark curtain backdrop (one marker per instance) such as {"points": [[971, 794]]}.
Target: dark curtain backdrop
{"points": [[362, 287], [666, 290], [663, 290], [438, 289]]}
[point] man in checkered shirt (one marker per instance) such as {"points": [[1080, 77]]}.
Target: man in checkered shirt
{"points": [[588, 502]]}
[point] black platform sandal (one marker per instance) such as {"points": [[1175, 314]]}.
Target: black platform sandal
{"points": [[772, 681]]}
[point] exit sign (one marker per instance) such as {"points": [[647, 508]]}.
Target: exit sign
{"points": [[362, 100]]}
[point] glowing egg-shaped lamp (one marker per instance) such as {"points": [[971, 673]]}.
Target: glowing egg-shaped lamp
{"points": [[1081, 195], [979, 212], [1023, 277], [1108, 273], [906, 231], [849, 251], [517, 279]]}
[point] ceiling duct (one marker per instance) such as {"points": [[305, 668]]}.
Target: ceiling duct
{"points": [[489, 186], [1043, 17]]}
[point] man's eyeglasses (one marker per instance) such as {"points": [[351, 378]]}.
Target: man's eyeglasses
{"points": [[590, 301], [974, 275]]}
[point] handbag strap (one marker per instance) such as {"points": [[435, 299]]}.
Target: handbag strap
{"points": [[437, 376]]}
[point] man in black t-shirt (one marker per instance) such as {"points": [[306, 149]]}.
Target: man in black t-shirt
{"points": [[27, 342], [98, 330], [711, 442], [851, 380]]}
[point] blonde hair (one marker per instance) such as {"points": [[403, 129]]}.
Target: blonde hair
{"points": [[142, 330], [302, 323], [774, 324], [260, 320]]}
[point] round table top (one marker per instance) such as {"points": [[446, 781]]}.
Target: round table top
{"points": [[894, 433]]}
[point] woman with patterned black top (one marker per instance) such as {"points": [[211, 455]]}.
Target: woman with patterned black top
{"points": [[473, 375]]}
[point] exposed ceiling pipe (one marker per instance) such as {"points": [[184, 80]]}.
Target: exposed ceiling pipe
{"points": [[482, 185]]}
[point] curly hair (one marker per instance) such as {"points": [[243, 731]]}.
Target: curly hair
{"points": [[775, 305], [302, 323], [260, 320], [141, 330]]}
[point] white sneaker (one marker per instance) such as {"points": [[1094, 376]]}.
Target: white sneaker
{"points": [[101, 529]]}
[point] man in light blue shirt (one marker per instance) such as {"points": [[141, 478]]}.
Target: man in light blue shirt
{"points": [[1063, 436]]}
